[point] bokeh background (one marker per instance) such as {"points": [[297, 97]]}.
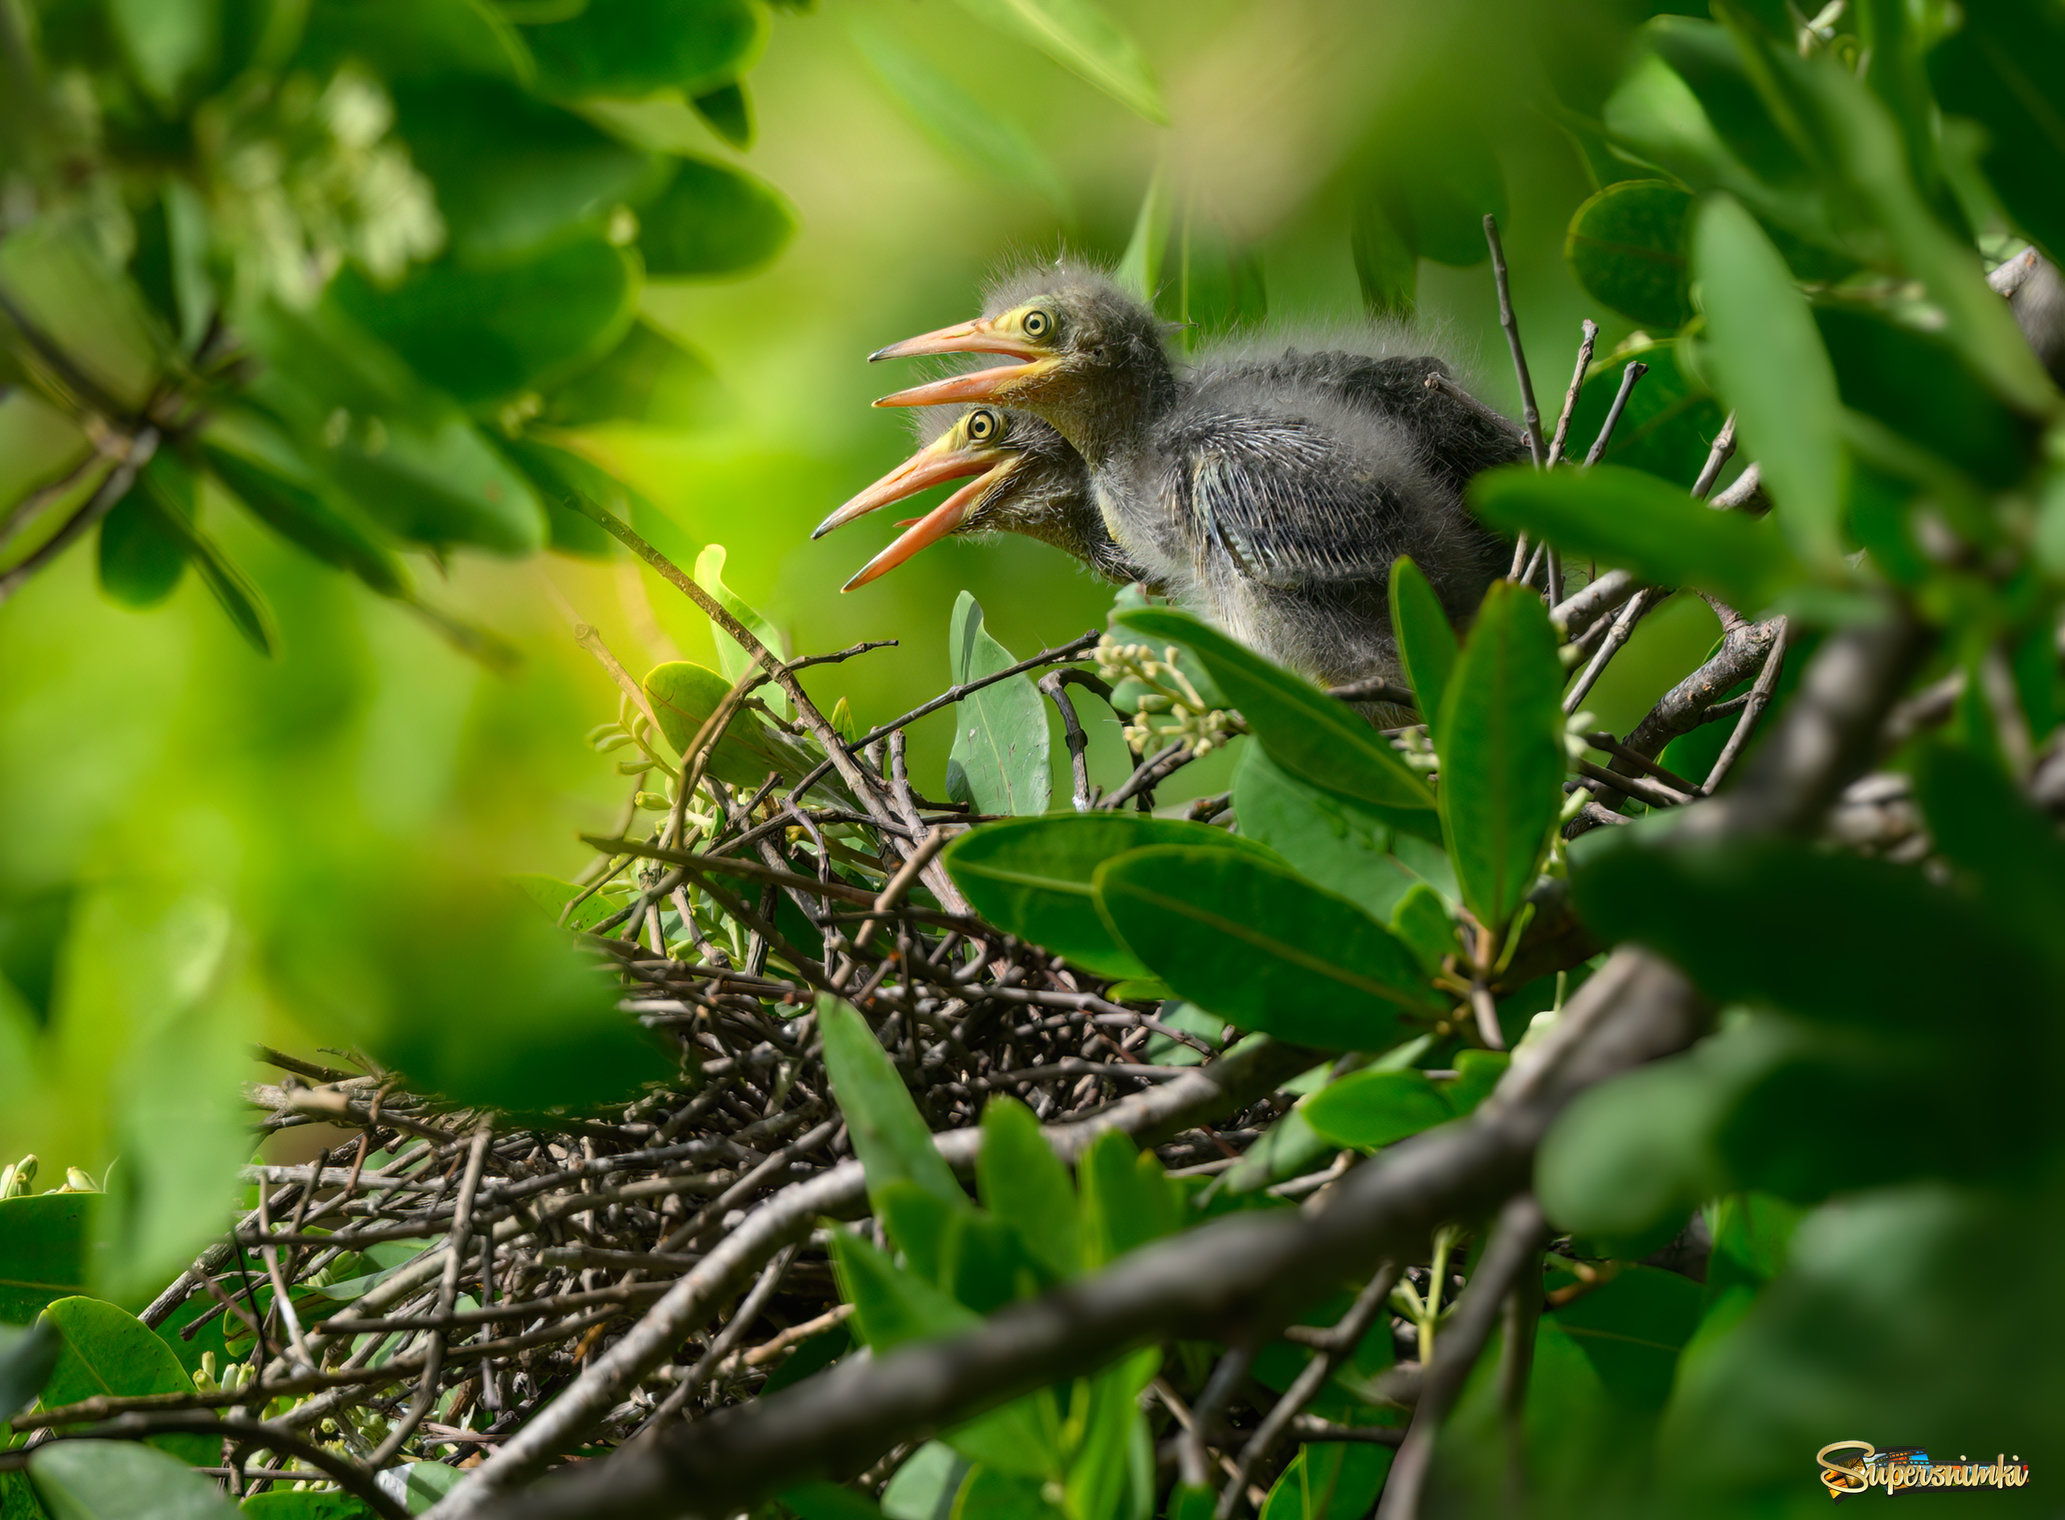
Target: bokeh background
{"points": [[178, 811]]}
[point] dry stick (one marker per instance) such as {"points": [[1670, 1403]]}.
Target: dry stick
{"points": [[240, 1432], [1192, 1450], [1759, 698], [721, 1346], [1516, 1242], [1516, 1367], [1577, 384], [1339, 1344], [1628, 376], [1528, 410], [1224, 1087], [447, 1296], [863, 786], [112, 488], [1077, 741], [1223, 1275]]}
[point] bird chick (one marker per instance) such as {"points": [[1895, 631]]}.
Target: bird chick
{"points": [[1028, 481], [1273, 497]]}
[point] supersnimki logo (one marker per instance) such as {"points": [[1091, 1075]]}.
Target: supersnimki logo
{"points": [[1853, 1467]]}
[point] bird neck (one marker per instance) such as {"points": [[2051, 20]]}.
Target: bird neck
{"points": [[1117, 424]]}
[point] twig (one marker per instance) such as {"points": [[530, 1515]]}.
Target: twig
{"points": [[1529, 411]]}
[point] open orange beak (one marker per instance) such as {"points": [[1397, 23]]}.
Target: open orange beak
{"points": [[910, 478], [977, 337]]}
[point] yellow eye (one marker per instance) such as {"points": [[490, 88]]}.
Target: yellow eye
{"points": [[1037, 324], [983, 425]]}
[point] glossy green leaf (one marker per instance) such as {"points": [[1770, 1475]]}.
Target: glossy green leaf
{"points": [[830, 1501], [1669, 424], [917, 1223], [1111, 1461], [122, 1480], [1911, 949], [996, 147], [889, 1134], [1031, 876], [560, 478], [1262, 947], [732, 658], [1330, 1480], [27, 1356], [512, 172], [1920, 387], [1627, 248], [925, 1486], [482, 335], [1477, 1073], [1370, 1109], [684, 695], [1500, 737], [1768, 362], [293, 506], [635, 47], [1347, 846], [1024, 1183], [1633, 520], [1421, 919], [305, 1504], [42, 1252], [1305, 731], [109, 1352], [648, 377], [727, 111], [999, 759], [1999, 68], [1427, 645], [1083, 38], [712, 220], [142, 545], [1126, 1198]]}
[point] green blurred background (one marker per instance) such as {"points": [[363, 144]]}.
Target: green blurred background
{"points": [[156, 774]]}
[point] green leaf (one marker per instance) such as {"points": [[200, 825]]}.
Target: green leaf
{"points": [[1669, 424], [636, 48], [1998, 68], [999, 759], [1768, 362], [1648, 526], [684, 695], [42, 1252], [482, 335], [169, 44], [1348, 846], [917, 1223], [1422, 921], [1288, 1148], [1140, 267], [416, 39], [1370, 1109], [831, 1501], [142, 543], [1427, 646], [26, 1359], [1921, 388], [648, 377], [1626, 246], [305, 1504], [251, 467], [1387, 260], [997, 148], [233, 591], [1127, 1200], [1111, 1461], [1262, 947], [732, 658], [713, 220], [1332, 1480], [992, 1495], [109, 1352], [1305, 731], [1910, 949], [1500, 737], [122, 1480], [925, 1486], [512, 172], [1082, 38], [441, 486], [1477, 1073], [560, 478], [889, 1135], [1023, 1182], [1031, 876], [728, 112]]}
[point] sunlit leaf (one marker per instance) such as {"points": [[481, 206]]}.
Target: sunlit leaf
{"points": [[732, 657], [1369, 1109], [1262, 947], [1081, 37], [1023, 1182], [42, 1252], [1627, 248], [108, 1351], [1427, 646], [889, 1134], [999, 758], [1349, 847], [1500, 737], [1031, 876], [122, 1480]]}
